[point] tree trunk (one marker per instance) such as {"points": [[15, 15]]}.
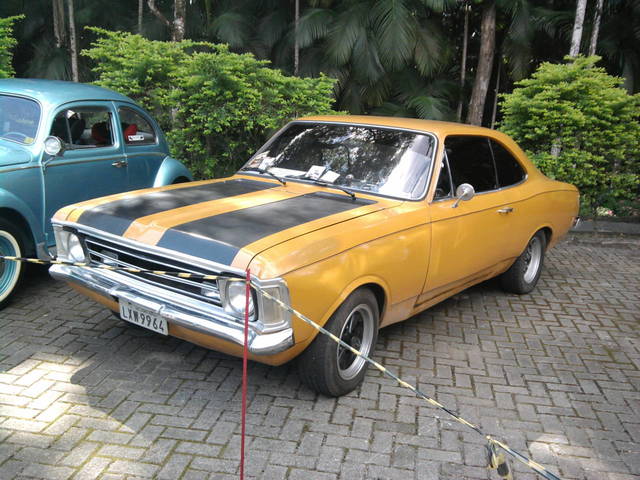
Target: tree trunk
{"points": [[463, 67], [595, 30], [296, 45], [140, 15], [179, 20], [73, 47], [485, 64], [157, 13], [59, 24], [576, 37], [495, 94]]}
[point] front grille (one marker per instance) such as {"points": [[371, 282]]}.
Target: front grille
{"points": [[109, 253]]}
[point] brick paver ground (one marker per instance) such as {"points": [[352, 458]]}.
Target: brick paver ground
{"points": [[555, 373]]}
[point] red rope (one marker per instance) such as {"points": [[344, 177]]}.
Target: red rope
{"points": [[245, 355]]}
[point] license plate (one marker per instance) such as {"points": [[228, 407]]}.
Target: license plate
{"points": [[141, 316]]}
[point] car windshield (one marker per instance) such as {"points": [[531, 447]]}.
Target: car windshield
{"points": [[361, 158], [19, 119]]}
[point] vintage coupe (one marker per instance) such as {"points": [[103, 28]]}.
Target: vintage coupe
{"points": [[64, 142], [358, 222]]}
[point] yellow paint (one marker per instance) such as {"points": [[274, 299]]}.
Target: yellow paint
{"points": [[415, 253]]}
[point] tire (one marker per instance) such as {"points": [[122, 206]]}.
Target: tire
{"points": [[523, 275], [330, 369], [11, 244]]}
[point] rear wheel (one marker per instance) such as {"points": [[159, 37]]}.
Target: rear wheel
{"points": [[11, 244], [523, 275], [331, 369]]}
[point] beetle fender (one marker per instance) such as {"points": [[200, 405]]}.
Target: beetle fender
{"points": [[171, 170], [13, 205]]}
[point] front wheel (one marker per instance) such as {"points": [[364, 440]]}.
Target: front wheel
{"points": [[10, 271], [331, 369], [523, 275]]}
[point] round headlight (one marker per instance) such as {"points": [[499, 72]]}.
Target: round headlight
{"points": [[237, 298], [74, 249]]}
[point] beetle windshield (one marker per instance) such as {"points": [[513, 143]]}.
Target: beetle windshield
{"points": [[19, 119], [362, 158]]}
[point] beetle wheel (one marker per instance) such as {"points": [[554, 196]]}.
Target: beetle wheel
{"points": [[10, 272]]}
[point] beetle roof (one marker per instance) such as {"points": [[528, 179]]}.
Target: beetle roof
{"points": [[55, 92], [433, 126]]}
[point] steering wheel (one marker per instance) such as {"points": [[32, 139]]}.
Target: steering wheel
{"points": [[19, 134]]}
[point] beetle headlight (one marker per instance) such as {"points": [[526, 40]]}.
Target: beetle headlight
{"points": [[69, 246]]}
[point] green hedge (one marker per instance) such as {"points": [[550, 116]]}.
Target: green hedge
{"points": [[7, 42], [216, 107], [578, 125]]}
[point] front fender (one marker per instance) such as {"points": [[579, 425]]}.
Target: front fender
{"points": [[171, 170], [11, 202]]}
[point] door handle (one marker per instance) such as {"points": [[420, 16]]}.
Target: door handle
{"points": [[120, 163], [506, 210]]}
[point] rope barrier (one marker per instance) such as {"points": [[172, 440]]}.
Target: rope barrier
{"points": [[495, 459]]}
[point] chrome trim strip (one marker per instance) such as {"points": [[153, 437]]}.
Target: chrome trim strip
{"points": [[177, 309], [19, 168]]}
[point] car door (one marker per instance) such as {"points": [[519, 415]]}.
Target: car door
{"points": [[93, 163], [141, 145], [468, 237]]}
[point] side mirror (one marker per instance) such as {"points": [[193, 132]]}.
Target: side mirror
{"points": [[464, 192], [53, 146]]}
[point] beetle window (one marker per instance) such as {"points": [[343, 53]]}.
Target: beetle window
{"points": [[83, 127], [136, 130], [19, 118], [470, 161], [508, 168]]}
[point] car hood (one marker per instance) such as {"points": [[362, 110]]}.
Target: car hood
{"points": [[227, 221], [12, 154]]}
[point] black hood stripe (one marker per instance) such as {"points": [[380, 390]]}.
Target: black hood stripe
{"points": [[219, 238], [115, 217]]}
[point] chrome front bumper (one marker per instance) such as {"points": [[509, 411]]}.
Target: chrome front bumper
{"points": [[177, 309]]}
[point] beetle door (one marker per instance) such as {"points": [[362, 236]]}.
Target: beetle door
{"points": [[93, 164], [140, 140], [470, 240]]}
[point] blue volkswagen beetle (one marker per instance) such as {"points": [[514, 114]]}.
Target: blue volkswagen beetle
{"points": [[64, 142]]}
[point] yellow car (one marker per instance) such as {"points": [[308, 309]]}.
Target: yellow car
{"points": [[358, 222]]}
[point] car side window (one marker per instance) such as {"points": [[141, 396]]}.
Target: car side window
{"points": [[470, 161], [136, 130], [508, 168], [83, 127], [443, 188]]}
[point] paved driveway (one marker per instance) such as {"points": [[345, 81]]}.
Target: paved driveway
{"points": [[556, 374]]}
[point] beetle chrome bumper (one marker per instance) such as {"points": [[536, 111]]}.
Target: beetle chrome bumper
{"points": [[177, 309]]}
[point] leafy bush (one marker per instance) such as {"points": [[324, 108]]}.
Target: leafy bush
{"points": [[217, 107], [579, 126], [7, 42]]}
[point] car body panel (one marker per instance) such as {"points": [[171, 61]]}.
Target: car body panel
{"points": [[44, 184], [412, 253]]}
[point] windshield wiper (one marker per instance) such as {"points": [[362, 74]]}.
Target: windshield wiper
{"points": [[331, 185], [263, 171]]}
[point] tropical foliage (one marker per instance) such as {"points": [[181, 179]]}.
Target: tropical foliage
{"points": [[7, 42], [578, 125], [218, 107]]}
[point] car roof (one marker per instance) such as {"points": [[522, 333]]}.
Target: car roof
{"points": [[56, 92], [433, 126]]}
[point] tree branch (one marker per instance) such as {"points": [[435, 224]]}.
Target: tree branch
{"points": [[158, 13]]}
